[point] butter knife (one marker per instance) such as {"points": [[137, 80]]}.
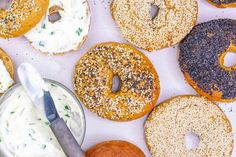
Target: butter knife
{"points": [[38, 91]]}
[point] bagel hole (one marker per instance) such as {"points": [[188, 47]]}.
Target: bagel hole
{"points": [[154, 11], [116, 84], [230, 59], [54, 17], [191, 141], [5, 4]]}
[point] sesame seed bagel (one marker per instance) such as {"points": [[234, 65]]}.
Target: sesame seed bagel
{"points": [[174, 20], [6, 72], [21, 16], [139, 82], [170, 123], [201, 59], [223, 3], [114, 149], [65, 33]]}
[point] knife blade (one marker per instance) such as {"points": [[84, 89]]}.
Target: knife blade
{"points": [[39, 93]]}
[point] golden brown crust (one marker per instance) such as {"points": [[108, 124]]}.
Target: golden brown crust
{"points": [[215, 96], [136, 25], [140, 83], [114, 149], [231, 5], [21, 17], [189, 113], [7, 62]]}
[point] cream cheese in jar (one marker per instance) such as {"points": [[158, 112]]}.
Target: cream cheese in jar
{"points": [[24, 129]]}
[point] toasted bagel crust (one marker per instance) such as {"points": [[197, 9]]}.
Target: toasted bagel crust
{"points": [[114, 149], [21, 16]]}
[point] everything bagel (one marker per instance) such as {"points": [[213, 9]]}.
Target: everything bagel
{"points": [[139, 82], [21, 16]]}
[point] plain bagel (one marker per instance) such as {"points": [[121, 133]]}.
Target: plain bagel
{"points": [[114, 149]]}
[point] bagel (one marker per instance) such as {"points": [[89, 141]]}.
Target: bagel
{"points": [[139, 82], [201, 59], [6, 72], [223, 3], [21, 16], [172, 125], [67, 32], [114, 149], [174, 20]]}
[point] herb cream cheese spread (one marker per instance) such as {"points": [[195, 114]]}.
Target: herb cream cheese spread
{"points": [[24, 129], [67, 33]]}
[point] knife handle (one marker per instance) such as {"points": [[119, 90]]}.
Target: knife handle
{"points": [[65, 138]]}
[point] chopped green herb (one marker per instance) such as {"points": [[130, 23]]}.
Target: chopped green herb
{"points": [[44, 146], [53, 85], [39, 119], [67, 115], [44, 26], [52, 33], [79, 31], [67, 107], [32, 131], [47, 123], [30, 135], [22, 111], [50, 139], [12, 112], [41, 43]]}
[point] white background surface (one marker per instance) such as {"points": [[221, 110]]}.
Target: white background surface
{"points": [[60, 68]]}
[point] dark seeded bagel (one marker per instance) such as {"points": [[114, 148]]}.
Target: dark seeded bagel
{"points": [[202, 56], [223, 3]]}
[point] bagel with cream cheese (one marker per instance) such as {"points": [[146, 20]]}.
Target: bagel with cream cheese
{"points": [[6, 72], [63, 29]]}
